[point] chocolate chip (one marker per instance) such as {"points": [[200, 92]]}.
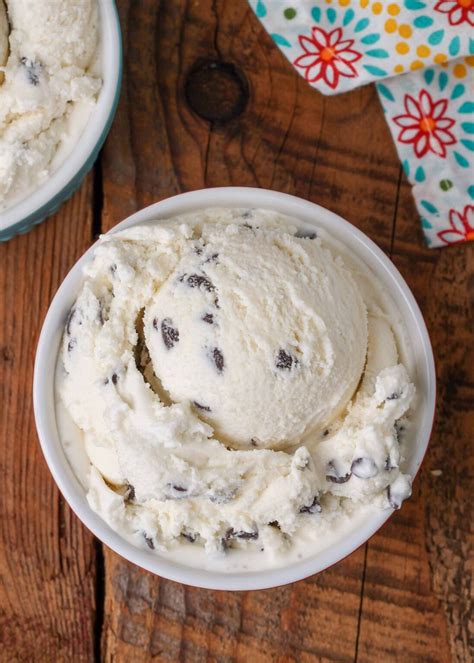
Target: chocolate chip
{"points": [[212, 258], [275, 523], [398, 430], [326, 432], [394, 500], [246, 535], [304, 234], [216, 302], [332, 474], [314, 507], [189, 536], [198, 281], [389, 466], [101, 312], [393, 397], [176, 491], [149, 541], [169, 333], [364, 468], [209, 318], [114, 379], [130, 493], [254, 442], [247, 225], [33, 70], [285, 361], [240, 534], [201, 407], [198, 250], [69, 320], [341, 479], [218, 358]]}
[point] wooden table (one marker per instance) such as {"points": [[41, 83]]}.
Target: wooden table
{"points": [[209, 101]]}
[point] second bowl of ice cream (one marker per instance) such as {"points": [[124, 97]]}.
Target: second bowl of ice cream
{"points": [[60, 70], [242, 391]]}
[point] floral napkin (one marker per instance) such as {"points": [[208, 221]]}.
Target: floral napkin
{"points": [[421, 54]]}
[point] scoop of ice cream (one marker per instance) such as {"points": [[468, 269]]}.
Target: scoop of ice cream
{"points": [[264, 333], [3, 38]]}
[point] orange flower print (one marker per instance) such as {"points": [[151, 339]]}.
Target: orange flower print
{"points": [[327, 56], [458, 11], [462, 226], [425, 125]]}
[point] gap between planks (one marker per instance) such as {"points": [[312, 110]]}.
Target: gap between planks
{"points": [[99, 589]]}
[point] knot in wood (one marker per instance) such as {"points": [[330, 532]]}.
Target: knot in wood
{"points": [[216, 91]]}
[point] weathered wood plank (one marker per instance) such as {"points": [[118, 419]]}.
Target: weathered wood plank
{"points": [[47, 560]]}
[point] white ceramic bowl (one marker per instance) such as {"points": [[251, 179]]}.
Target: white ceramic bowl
{"points": [[46, 200], [43, 390]]}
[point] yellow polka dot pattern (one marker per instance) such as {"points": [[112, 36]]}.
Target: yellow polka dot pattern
{"points": [[392, 27], [423, 51], [405, 31], [402, 47], [459, 70], [389, 12]]}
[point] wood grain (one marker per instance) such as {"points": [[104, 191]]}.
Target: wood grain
{"points": [[207, 101], [379, 604], [47, 559]]}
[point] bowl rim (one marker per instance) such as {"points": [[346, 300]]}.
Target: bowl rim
{"points": [[57, 188], [43, 392]]}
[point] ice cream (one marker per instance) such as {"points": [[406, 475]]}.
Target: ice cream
{"points": [[265, 335], [233, 384], [49, 89]]}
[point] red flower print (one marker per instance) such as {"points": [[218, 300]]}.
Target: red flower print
{"points": [[425, 125], [327, 56], [458, 11], [462, 226]]}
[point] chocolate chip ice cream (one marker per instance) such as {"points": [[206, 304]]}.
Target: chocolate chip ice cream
{"points": [[235, 384], [49, 49]]}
